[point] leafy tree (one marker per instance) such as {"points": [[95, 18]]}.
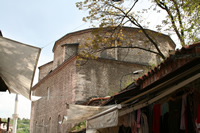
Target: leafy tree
{"points": [[182, 17], [23, 125]]}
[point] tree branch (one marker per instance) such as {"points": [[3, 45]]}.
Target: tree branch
{"points": [[134, 21], [132, 47], [132, 7], [164, 6], [179, 18], [147, 35]]}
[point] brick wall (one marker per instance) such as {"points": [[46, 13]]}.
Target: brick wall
{"points": [[46, 111], [72, 84]]}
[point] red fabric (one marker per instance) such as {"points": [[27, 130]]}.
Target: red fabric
{"points": [[156, 118], [198, 115], [138, 118], [134, 127]]}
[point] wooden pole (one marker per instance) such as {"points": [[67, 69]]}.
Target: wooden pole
{"points": [[8, 122]]}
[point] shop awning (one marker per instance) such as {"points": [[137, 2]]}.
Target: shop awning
{"points": [[79, 113], [162, 94], [18, 62], [107, 118]]}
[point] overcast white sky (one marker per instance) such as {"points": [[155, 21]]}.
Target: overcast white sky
{"points": [[38, 23]]}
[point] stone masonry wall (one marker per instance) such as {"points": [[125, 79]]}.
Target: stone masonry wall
{"points": [[101, 77], [58, 56], [45, 69], [131, 36], [135, 38], [59, 51]]}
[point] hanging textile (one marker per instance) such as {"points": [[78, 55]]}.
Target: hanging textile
{"points": [[190, 123], [183, 112], [198, 120], [124, 129], [144, 123], [164, 108], [129, 120], [156, 118], [138, 118], [174, 115], [196, 100], [198, 115], [164, 128]]}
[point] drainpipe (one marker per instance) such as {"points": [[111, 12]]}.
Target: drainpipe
{"points": [[15, 115]]}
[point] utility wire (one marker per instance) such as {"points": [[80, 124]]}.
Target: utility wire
{"points": [[79, 26], [55, 40], [47, 44]]}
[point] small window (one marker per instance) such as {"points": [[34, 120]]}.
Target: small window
{"points": [[59, 125], [70, 50], [104, 54], [42, 129], [35, 128], [49, 126], [48, 93]]}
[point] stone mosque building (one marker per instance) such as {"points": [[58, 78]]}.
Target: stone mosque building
{"points": [[62, 82]]}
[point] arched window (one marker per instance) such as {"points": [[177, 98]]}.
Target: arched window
{"points": [[49, 126], [42, 127], [48, 93], [59, 125], [35, 127]]}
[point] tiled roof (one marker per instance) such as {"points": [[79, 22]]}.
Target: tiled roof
{"points": [[97, 101]]}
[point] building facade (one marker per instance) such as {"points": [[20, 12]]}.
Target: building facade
{"points": [[62, 82]]}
